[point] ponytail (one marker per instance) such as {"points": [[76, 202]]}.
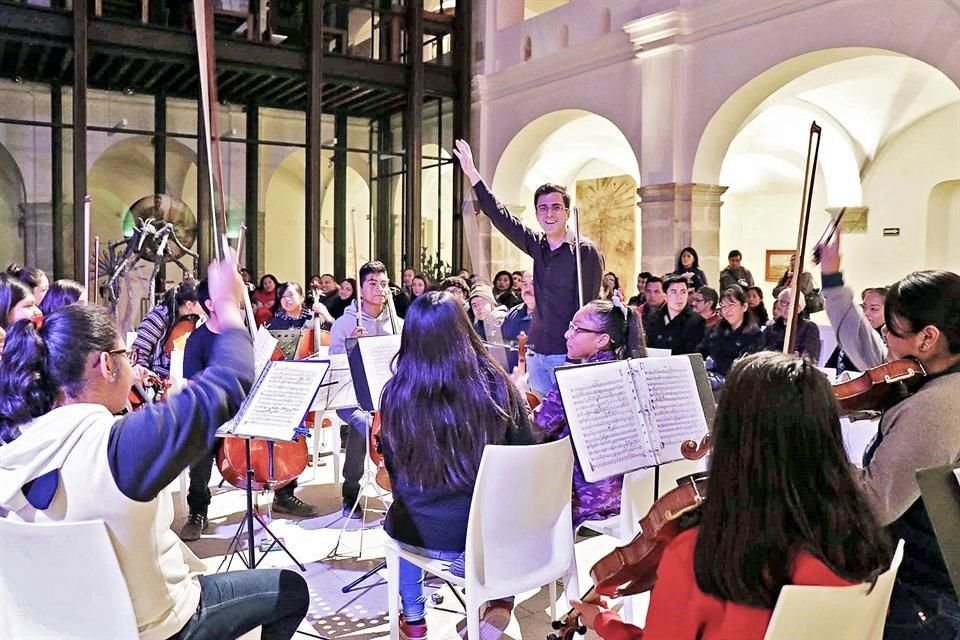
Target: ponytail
{"points": [[38, 365], [622, 326]]}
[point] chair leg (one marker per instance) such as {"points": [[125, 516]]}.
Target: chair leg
{"points": [[473, 616], [553, 599], [393, 591], [571, 582]]}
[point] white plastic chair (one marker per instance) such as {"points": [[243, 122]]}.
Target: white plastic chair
{"points": [[834, 612], [62, 580], [518, 535]]}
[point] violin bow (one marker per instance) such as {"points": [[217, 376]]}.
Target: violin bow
{"points": [[207, 60], [576, 251], [810, 173], [356, 267]]}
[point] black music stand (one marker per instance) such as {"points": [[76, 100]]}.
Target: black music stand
{"points": [[246, 524], [940, 490]]}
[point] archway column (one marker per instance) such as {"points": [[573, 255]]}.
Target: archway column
{"points": [[676, 215]]}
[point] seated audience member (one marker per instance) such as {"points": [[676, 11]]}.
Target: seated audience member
{"points": [[688, 267], [704, 302], [807, 343], [873, 311], [457, 287], [68, 458], [346, 293], [735, 273], [654, 298], [610, 285], [518, 319], [406, 280], [503, 291], [435, 428], [757, 307], [675, 326], [419, 286], [150, 345], [776, 435], [60, 294], [517, 277], [922, 322], [806, 280], [34, 278], [639, 299], [600, 331], [265, 298], [313, 293], [488, 316], [736, 334], [247, 279]]}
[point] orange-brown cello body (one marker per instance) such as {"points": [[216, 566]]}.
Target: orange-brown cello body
{"points": [[376, 454], [532, 399]]}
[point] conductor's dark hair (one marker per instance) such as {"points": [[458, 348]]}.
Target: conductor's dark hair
{"points": [[545, 189]]}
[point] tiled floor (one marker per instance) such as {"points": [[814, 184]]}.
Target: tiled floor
{"points": [[362, 613]]}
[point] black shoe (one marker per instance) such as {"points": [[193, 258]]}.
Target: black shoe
{"points": [[292, 505], [349, 512], [193, 527]]}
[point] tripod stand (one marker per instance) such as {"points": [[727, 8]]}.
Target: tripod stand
{"points": [[246, 524]]}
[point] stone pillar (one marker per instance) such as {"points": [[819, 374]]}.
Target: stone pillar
{"points": [[38, 236], [674, 216]]}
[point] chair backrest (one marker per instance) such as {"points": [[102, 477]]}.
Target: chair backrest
{"points": [[834, 612], [520, 520], [638, 491], [62, 580]]}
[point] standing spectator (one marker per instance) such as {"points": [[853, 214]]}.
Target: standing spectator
{"points": [[688, 266], [247, 280], [406, 281], [639, 299], [554, 251], [807, 287], [517, 277], [734, 273], [675, 326], [757, 307], [610, 285]]}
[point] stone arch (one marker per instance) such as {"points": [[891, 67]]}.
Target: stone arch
{"points": [[12, 200], [943, 226]]}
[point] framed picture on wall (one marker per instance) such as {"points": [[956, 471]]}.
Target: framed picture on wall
{"points": [[777, 263]]}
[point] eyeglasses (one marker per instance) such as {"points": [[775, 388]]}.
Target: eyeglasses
{"points": [[290, 296], [576, 329], [553, 208]]}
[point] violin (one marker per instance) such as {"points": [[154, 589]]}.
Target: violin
{"points": [[532, 399], [878, 388], [632, 568], [180, 331]]}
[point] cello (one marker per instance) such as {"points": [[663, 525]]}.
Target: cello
{"points": [[532, 399]]}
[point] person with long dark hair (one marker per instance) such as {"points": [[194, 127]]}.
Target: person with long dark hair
{"points": [[922, 323], [610, 285], [783, 508], [291, 312], [446, 401], [688, 267], [17, 301], [503, 291], [34, 278], [757, 306], [68, 459], [736, 334], [599, 331], [265, 298], [151, 353], [60, 294]]}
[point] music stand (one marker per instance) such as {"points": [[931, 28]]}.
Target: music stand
{"points": [[940, 490]]}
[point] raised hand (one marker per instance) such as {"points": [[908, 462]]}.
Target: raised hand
{"points": [[829, 254], [463, 153]]}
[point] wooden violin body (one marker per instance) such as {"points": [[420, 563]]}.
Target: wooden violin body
{"points": [[376, 454], [532, 399], [274, 464], [878, 388]]}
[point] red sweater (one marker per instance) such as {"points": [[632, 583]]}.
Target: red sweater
{"points": [[679, 610]]}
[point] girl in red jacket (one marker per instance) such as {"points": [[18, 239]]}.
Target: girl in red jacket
{"points": [[783, 508]]}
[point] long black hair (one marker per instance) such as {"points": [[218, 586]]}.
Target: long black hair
{"points": [[925, 298], [39, 364], [696, 260], [60, 294], [30, 276], [780, 483], [12, 292], [622, 324], [447, 399], [173, 299]]}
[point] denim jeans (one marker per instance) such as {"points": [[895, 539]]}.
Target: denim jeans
{"points": [[917, 613], [355, 459], [413, 604], [540, 370], [233, 603]]}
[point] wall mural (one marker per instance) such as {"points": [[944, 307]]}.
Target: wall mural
{"points": [[608, 216]]}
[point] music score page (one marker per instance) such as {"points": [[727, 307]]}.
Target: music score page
{"points": [[280, 399], [667, 391]]}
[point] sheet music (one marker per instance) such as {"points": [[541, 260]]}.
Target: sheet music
{"points": [[280, 399], [263, 345], [377, 353], [605, 422], [670, 402], [340, 393]]}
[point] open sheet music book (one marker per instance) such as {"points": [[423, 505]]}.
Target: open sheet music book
{"points": [[278, 401], [336, 392], [371, 366], [630, 414]]}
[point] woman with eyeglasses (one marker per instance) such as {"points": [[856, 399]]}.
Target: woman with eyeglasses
{"points": [[601, 330], [291, 312], [736, 335], [67, 458]]}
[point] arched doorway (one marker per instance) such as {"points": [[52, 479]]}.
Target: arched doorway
{"points": [[889, 136], [589, 155], [12, 199]]}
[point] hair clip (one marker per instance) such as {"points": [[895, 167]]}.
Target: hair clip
{"points": [[37, 321]]}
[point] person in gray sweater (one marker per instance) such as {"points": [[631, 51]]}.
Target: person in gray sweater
{"points": [[922, 430]]}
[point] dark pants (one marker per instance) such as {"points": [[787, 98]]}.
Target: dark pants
{"points": [[921, 613], [356, 451], [198, 496], [233, 603]]}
